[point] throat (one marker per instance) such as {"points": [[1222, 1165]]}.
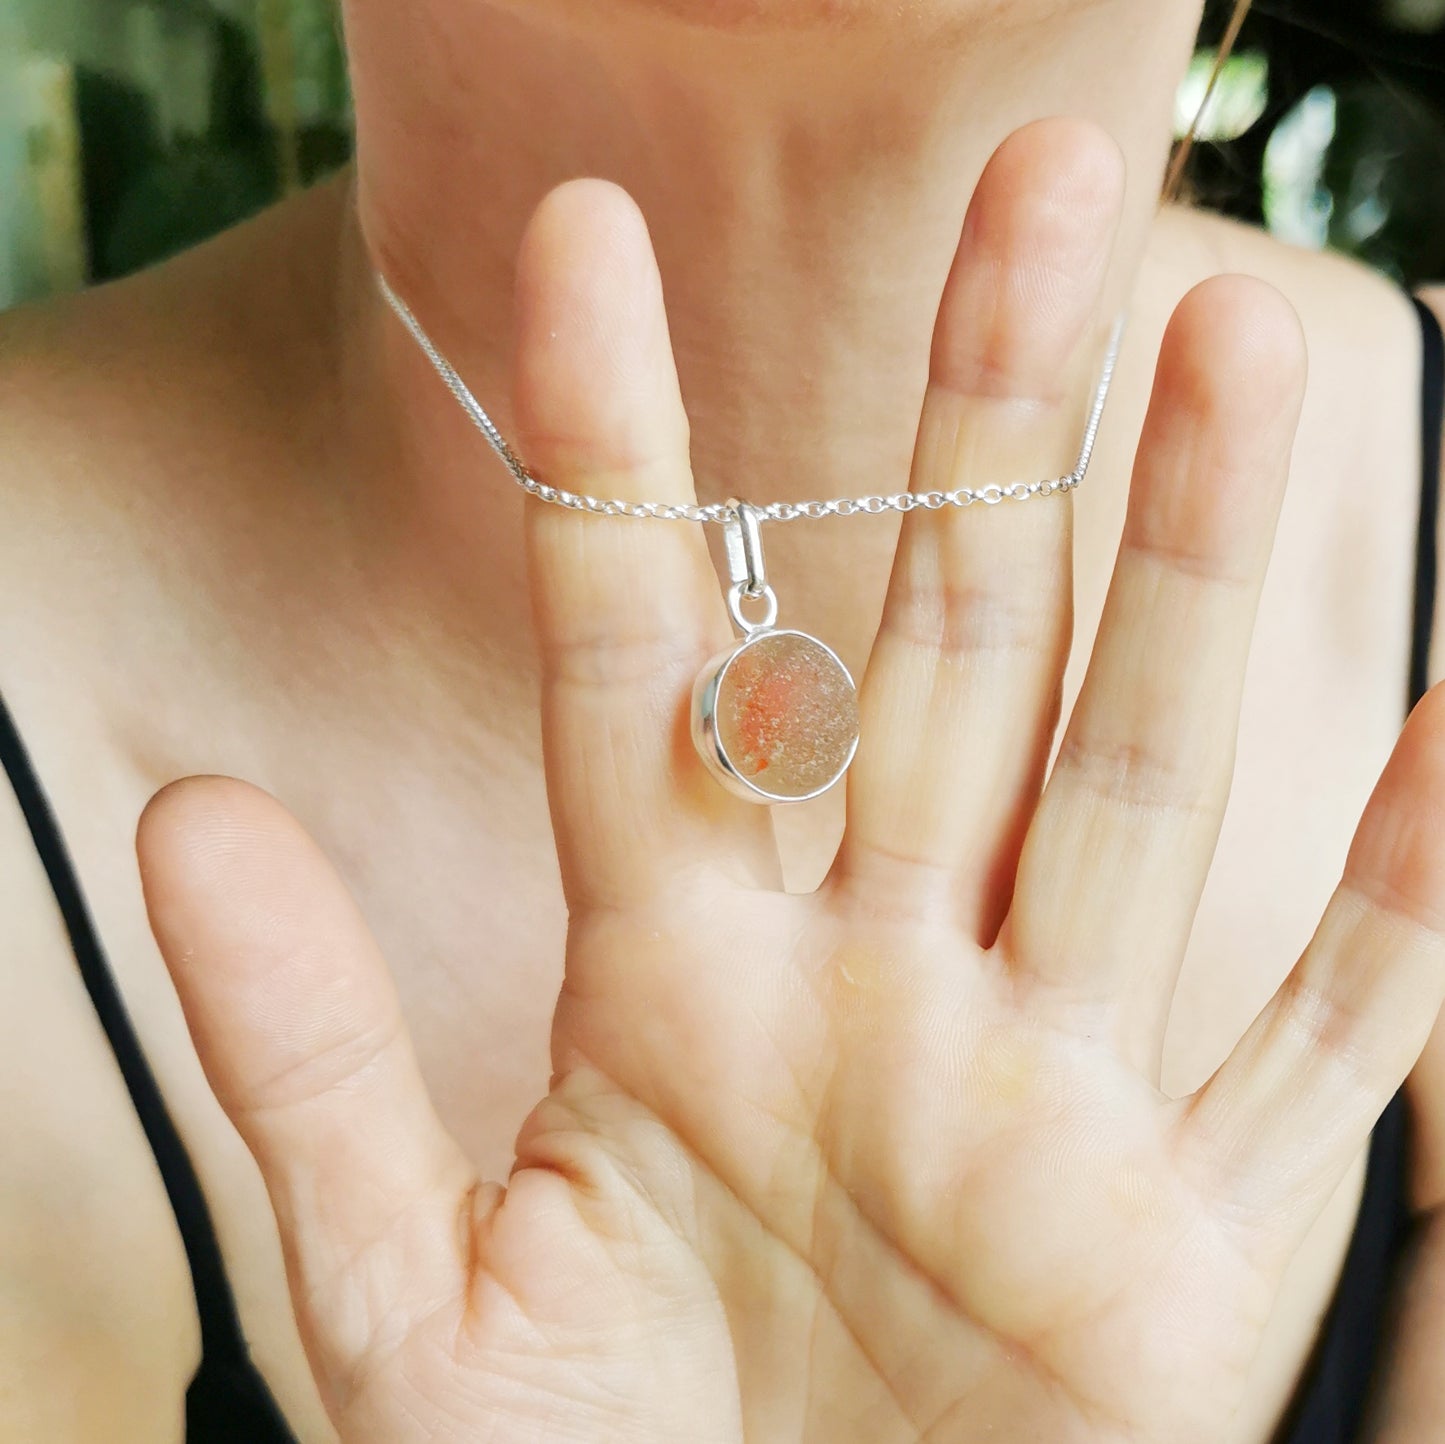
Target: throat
{"points": [[804, 193], [804, 184]]}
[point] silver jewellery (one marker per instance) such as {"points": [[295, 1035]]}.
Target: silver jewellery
{"points": [[775, 716]]}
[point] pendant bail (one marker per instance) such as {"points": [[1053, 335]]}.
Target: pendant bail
{"points": [[743, 538]]}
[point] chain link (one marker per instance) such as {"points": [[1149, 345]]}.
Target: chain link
{"points": [[718, 512]]}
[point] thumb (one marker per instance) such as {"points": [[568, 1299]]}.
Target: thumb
{"points": [[299, 1031]]}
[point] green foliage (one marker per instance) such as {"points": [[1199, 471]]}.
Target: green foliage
{"points": [[167, 160], [1348, 147], [196, 189]]}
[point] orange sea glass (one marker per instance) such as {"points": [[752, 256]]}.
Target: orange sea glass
{"points": [[787, 715]]}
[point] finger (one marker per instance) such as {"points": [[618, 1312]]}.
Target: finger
{"points": [[1116, 857], [628, 611], [298, 1029], [959, 703], [1282, 1121]]}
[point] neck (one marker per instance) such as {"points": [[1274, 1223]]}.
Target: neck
{"points": [[805, 186]]}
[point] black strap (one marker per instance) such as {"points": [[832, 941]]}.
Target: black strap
{"points": [[227, 1402], [1432, 438], [221, 1336]]}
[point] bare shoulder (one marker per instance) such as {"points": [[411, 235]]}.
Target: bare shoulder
{"points": [[118, 406], [120, 410], [144, 424], [1326, 288]]}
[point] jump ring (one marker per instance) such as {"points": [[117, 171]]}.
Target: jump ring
{"points": [[738, 594]]}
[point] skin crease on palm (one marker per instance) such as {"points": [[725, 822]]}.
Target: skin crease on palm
{"points": [[927, 1147]]}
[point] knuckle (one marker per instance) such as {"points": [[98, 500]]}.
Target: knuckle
{"points": [[614, 660], [1193, 557], [341, 1064], [1134, 775], [957, 620]]}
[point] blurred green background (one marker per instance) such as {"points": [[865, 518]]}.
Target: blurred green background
{"points": [[130, 129]]}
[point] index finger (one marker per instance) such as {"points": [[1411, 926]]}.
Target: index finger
{"points": [[628, 610]]}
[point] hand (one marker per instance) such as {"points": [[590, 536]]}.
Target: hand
{"points": [[888, 1162]]}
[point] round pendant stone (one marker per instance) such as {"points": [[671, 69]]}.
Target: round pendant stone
{"points": [[776, 718]]}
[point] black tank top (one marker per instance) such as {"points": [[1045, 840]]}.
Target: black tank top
{"points": [[228, 1401]]}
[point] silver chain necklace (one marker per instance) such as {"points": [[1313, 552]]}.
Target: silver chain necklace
{"points": [[774, 717]]}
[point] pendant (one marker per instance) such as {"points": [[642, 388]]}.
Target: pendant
{"points": [[775, 717]]}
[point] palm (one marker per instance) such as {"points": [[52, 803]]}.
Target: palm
{"points": [[885, 1265], [886, 1162]]}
